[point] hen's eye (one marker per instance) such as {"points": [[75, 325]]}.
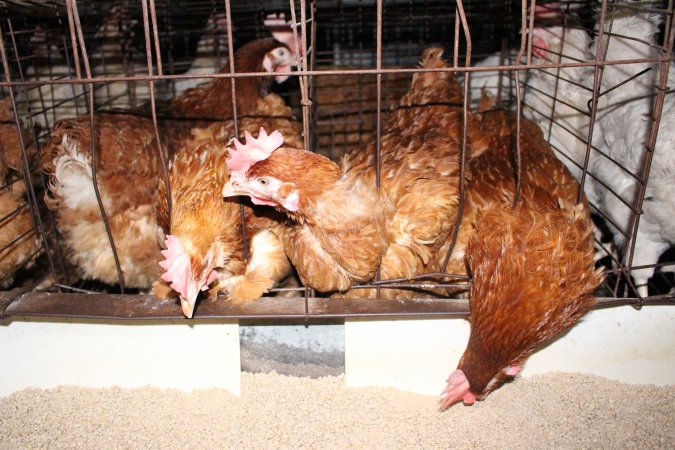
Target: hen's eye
{"points": [[263, 181]]}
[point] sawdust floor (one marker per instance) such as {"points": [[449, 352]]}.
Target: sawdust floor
{"points": [[274, 411]]}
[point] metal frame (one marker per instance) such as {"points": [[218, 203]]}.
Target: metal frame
{"points": [[305, 19]]}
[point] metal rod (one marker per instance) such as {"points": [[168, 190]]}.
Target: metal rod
{"points": [[153, 110], [32, 197], [509, 68], [94, 152], [649, 154], [462, 156]]}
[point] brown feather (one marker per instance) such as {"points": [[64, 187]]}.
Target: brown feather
{"points": [[128, 174], [533, 278]]}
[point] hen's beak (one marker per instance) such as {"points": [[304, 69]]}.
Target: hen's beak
{"points": [[232, 191], [188, 304]]}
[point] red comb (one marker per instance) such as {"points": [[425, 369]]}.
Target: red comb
{"points": [[277, 20], [253, 151], [176, 264], [281, 31]]}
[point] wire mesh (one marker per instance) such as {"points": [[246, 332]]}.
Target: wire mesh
{"points": [[549, 62]]}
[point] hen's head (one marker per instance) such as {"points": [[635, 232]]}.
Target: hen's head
{"points": [[286, 178], [263, 190], [265, 55], [459, 388], [187, 273], [279, 60], [277, 55]]}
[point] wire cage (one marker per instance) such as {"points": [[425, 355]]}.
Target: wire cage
{"points": [[65, 59]]}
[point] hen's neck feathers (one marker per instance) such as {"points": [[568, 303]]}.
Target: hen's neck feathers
{"points": [[198, 214], [214, 100]]}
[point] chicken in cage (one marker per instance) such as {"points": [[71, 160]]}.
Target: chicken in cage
{"points": [[363, 149]]}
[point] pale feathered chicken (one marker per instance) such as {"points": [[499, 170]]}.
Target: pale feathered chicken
{"points": [[622, 131], [115, 56], [498, 84], [50, 102], [342, 226]]}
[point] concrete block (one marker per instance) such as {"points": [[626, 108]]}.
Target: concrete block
{"points": [[180, 354]]}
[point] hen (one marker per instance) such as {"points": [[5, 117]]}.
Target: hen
{"points": [[564, 120], [213, 100], [114, 56], [211, 53], [128, 174], [204, 237], [50, 102], [532, 266], [205, 244], [19, 245], [342, 226], [622, 131]]}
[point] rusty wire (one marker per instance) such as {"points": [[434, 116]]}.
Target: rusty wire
{"points": [[75, 20], [460, 16], [38, 225], [657, 110], [153, 109]]}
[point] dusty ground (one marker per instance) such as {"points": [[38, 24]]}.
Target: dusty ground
{"points": [[274, 411]]}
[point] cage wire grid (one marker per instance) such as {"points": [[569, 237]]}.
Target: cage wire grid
{"points": [[356, 61]]}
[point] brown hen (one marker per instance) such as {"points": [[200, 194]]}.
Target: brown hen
{"points": [[128, 176], [204, 237], [205, 241], [343, 227], [19, 245], [532, 266], [202, 105]]}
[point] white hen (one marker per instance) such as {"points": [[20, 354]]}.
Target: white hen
{"points": [[50, 102], [499, 84], [210, 56], [114, 57], [564, 121], [622, 131]]}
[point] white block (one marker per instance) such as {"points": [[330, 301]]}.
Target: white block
{"points": [[412, 355], [621, 344], [417, 355], [180, 354]]}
